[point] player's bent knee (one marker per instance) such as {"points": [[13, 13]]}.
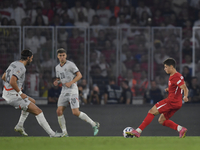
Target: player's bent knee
{"points": [[76, 113]]}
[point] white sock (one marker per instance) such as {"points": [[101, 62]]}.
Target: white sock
{"points": [[85, 117], [139, 130], [62, 123], [22, 118], [44, 124], [179, 128]]}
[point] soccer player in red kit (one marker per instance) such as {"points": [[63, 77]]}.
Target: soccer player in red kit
{"points": [[167, 107]]}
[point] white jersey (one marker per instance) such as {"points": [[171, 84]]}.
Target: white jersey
{"points": [[17, 69], [67, 73]]}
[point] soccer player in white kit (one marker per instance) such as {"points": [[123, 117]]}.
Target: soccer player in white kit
{"points": [[68, 74], [13, 78]]}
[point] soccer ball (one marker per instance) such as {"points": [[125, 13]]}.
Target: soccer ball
{"points": [[127, 129]]}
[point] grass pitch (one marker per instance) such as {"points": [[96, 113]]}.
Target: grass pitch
{"points": [[100, 143]]}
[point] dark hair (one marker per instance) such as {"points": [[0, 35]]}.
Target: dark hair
{"points": [[125, 81], [169, 62], [61, 50], [26, 53]]}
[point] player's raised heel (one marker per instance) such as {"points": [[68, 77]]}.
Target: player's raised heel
{"points": [[133, 133], [182, 132], [65, 135], [21, 130], [96, 128]]}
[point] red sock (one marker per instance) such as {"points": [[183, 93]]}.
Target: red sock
{"points": [[170, 124], [146, 121]]}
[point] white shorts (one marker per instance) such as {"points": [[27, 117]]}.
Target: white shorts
{"points": [[16, 101], [68, 98]]}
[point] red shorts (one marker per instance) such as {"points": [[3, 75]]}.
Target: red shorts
{"points": [[166, 108]]}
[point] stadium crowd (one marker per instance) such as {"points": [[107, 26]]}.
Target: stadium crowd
{"points": [[119, 44]]}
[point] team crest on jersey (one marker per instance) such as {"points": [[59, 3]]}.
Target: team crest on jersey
{"points": [[18, 72], [169, 83]]}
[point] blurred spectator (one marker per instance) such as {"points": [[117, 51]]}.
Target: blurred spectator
{"points": [[131, 81], [161, 56], [39, 21], [187, 27], [158, 18], [31, 41], [47, 61], [123, 24], [53, 93], [56, 21], [103, 13], [81, 21], [187, 61], [65, 10], [30, 11], [48, 11], [113, 8], [101, 40], [90, 12], [126, 95], [144, 19], [142, 84], [26, 22], [12, 22], [112, 92], [94, 97], [82, 99], [94, 58], [162, 85], [187, 49], [74, 41], [85, 88], [6, 10], [4, 21], [78, 8], [187, 75], [95, 25], [97, 78], [194, 91], [108, 51], [195, 4], [66, 21], [104, 66], [141, 8], [130, 61], [45, 83], [116, 67], [18, 12], [167, 9], [177, 5], [112, 21], [32, 81], [154, 94], [45, 18]]}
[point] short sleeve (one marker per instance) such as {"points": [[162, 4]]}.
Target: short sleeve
{"points": [[179, 81], [74, 68], [18, 72]]}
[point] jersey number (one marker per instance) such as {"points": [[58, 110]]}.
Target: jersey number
{"points": [[8, 75], [62, 75]]}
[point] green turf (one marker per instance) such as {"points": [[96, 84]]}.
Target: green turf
{"points": [[100, 143]]}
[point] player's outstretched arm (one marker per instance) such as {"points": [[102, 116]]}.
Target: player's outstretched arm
{"points": [[185, 89], [4, 77]]}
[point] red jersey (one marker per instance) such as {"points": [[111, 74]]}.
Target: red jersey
{"points": [[174, 90]]}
